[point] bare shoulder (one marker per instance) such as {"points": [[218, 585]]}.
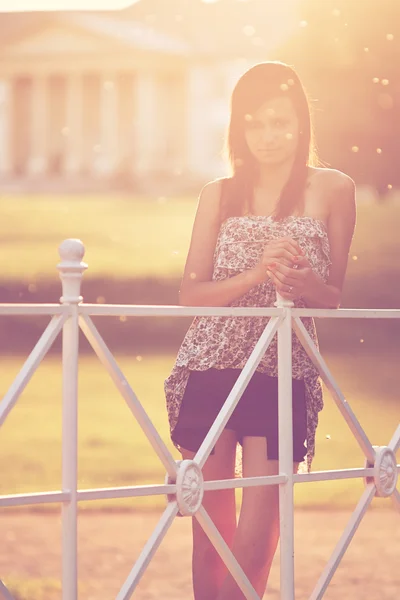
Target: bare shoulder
{"points": [[209, 201], [333, 180], [211, 191], [335, 189]]}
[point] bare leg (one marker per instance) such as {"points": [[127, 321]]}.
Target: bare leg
{"points": [[257, 533], [208, 569]]}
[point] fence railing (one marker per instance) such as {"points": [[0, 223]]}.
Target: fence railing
{"points": [[184, 486]]}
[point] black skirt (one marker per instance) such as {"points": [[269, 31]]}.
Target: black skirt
{"points": [[256, 413]]}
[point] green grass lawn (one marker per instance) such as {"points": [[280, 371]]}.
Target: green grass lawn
{"points": [[113, 451], [124, 237], [132, 237]]}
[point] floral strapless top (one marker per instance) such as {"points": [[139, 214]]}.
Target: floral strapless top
{"points": [[227, 342]]}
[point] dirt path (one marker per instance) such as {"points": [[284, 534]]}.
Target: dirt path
{"points": [[30, 549]]}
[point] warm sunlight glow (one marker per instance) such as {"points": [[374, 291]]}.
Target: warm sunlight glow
{"points": [[54, 5]]}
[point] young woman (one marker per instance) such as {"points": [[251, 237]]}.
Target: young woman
{"points": [[278, 224]]}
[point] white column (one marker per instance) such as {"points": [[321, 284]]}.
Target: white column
{"points": [[38, 121], [146, 122], [201, 153], [108, 155], [5, 127], [74, 123]]}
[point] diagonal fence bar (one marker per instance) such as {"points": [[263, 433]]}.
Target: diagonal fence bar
{"points": [[394, 443], [4, 592], [328, 379], [396, 499], [109, 362], [40, 350], [344, 542], [237, 391], [226, 554], [148, 551]]}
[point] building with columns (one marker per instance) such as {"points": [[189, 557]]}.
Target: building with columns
{"points": [[89, 96]]}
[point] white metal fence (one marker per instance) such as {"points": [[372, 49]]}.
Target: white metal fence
{"points": [[184, 486]]}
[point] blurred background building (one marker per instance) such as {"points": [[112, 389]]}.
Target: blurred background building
{"points": [[140, 98]]}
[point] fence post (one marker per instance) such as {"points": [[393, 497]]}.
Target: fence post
{"points": [[71, 269], [286, 496]]}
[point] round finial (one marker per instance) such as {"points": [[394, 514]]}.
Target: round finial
{"points": [[71, 269], [71, 250], [189, 488], [385, 471]]}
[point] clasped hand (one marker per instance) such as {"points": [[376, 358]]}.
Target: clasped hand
{"points": [[288, 268]]}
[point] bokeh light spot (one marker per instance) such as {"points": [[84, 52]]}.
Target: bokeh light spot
{"points": [[249, 30]]}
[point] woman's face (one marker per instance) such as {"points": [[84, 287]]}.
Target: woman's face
{"points": [[272, 132]]}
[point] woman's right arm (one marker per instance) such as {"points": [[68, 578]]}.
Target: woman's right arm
{"points": [[197, 288]]}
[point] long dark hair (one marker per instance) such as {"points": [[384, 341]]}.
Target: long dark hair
{"points": [[256, 86]]}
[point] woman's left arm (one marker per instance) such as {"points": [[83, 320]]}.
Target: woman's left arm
{"points": [[341, 225]]}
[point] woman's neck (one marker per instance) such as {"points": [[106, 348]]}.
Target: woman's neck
{"points": [[274, 177]]}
